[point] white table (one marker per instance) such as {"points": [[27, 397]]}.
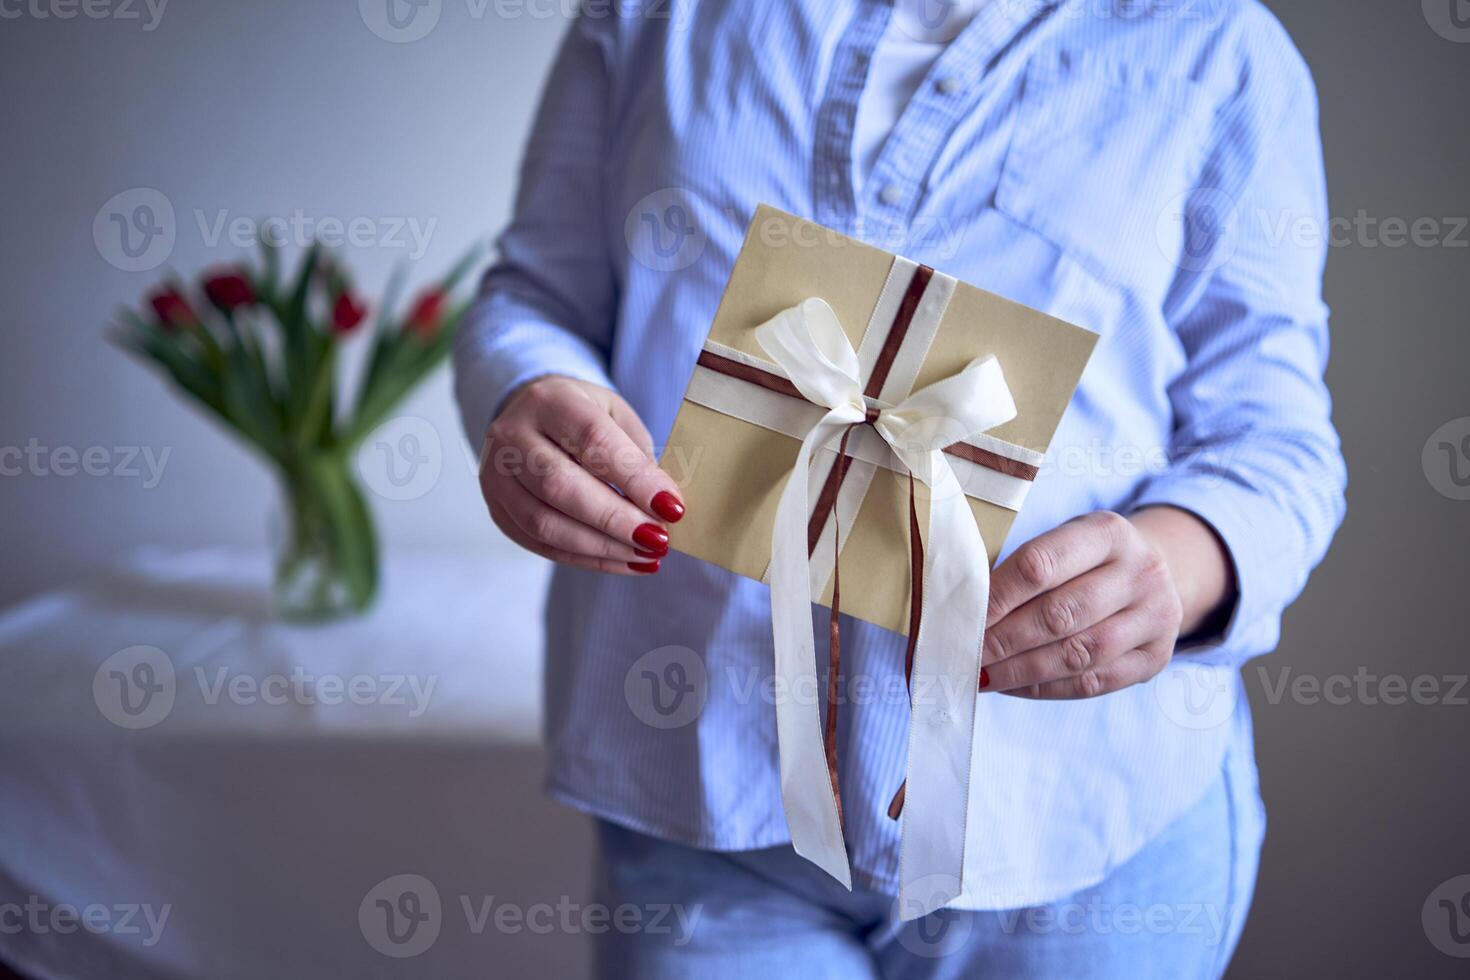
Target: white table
{"points": [[249, 809]]}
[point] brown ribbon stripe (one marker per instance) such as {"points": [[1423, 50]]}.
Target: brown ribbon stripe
{"points": [[741, 371]]}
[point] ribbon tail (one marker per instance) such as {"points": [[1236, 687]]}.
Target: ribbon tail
{"points": [[916, 607], [807, 792], [943, 700]]}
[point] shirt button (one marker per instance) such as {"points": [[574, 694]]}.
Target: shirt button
{"points": [[890, 194], [948, 85]]}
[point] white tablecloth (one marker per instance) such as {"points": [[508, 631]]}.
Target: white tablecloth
{"points": [[190, 789]]}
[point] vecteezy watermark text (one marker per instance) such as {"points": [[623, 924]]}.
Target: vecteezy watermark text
{"points": [[136, 230], [125, 10], [403, 915], [137, 687], [42, 918], [301, 230], [1363, 686], [124, 462]]}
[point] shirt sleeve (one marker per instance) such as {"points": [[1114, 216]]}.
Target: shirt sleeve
{"points": [[547, 304], [1255, 454]]}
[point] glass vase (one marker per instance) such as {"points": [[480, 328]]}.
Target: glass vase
{"points": [[326, 547]]}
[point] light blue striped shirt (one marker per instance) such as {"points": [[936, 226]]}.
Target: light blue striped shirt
{"points": [[1133, 167]]}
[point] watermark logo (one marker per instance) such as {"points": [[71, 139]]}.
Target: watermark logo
{"points": [[402, 458], [1196, 696], [135, 687], [138, 687], [667, 687], [1446, 459], [135, 230], [1450, 19], [401, 916], [663, 231], [941, 932], [1198, 229], [1446, 917], [932, 21], [400, 21]]}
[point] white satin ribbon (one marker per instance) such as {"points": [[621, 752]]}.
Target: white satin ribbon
{"points": [[808, 342]]}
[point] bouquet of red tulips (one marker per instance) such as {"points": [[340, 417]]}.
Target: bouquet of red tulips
{"points": [[260, 352]]}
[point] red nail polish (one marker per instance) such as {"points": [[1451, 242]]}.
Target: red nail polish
{"points": [[651, 536], [645, 567], [651, 554], [984, 678], [667, 506]]}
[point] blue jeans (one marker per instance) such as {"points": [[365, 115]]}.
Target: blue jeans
{"points": [[1174, 910]]}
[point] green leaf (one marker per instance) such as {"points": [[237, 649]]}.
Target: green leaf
{"points": [[151, 344], [408, 361], [349, 524], [300, 342], [251, 407], [314, 425]]}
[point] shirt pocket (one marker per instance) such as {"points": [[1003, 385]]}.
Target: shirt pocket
{"points": [[1101, 157]]}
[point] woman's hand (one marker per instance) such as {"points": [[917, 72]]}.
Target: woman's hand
{"points": [[550, 461], [1098, 604]]}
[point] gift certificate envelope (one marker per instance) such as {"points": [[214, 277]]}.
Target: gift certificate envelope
{"points": [[741, 422]]}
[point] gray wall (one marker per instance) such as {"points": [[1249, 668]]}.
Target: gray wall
{"points": [[1370, 801], [255, 109]]}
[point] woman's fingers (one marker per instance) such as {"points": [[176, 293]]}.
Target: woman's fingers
{"points": [[569, 489], [513, 531], [554, 529], [545, 471], [1073, 606], [1090, 650], [1126, 669], [586, 430], [1053, 558]]}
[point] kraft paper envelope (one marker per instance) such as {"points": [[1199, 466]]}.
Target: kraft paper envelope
{"points": [[733, 459]]}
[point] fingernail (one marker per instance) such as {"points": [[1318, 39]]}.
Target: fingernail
{"points": [[984, 678], [650, 554], [652, 537], [645, 567], [667, 506]]}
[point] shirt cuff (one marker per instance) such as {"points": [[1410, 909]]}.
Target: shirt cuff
{"points": [[490, 365], [1236, 514]]}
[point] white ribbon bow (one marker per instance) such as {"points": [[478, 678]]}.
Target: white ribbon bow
{"points": [[808, 342]]}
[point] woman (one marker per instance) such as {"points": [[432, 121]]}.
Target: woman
{"points": [[1119, 166]]}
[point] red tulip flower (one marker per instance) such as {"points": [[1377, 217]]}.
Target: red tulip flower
{"points": [[347, 313], [172, 310], [427, 312], [229, 291]]}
